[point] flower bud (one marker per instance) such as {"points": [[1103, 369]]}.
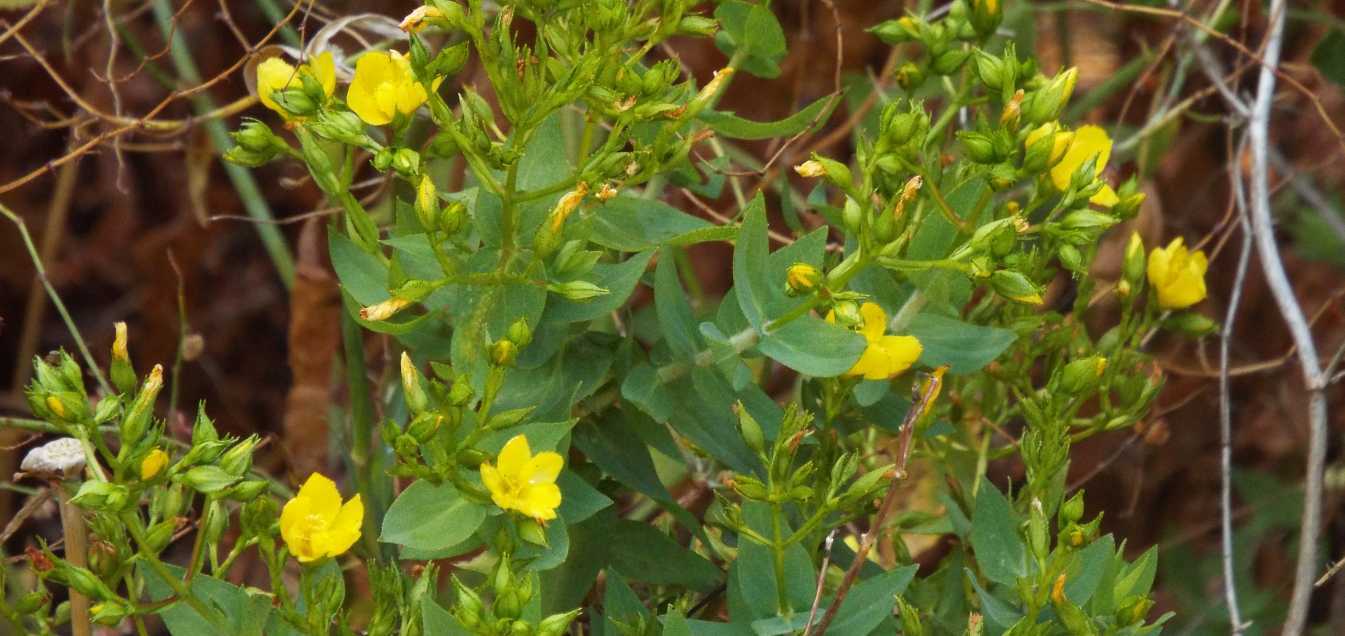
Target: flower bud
{"points": [[697, 26], [420, 18], [1038, 530], [110, 612], [107, 409], [159, 535], [1046, 103], [412, 386], [1071, 258], [801, 278], [910, 618], [1081, 376], [989, 69], [406, 162], [153, 464], [834, 171], [576, 290], [1134, 610], [851, 215], [81, 580], [986, 16], [1136, 260], [103, 558], [531, 531], [978, 146], [247, 490], [101, 496], [557, 624], [1088, 220], [949, 61], [32, 602], [909, 76], [1015, 287], [208, 479], [904, 29], [503, 353], [238, 459], [427, 202], [750, 429], [1072, 510], [1191, 323], [142, 409], [469, 607], [520, 333], [384, 310], [123, 374]]}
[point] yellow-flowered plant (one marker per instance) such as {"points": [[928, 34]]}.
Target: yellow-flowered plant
{"points": [[153, 464], [316, 525], [524, 482], [384, 87], [885, 356], [1088, 142], [275, 74], [1177, 275]]}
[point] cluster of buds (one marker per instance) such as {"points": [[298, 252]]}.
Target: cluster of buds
{"points": [[436, 407], [434, 216], [503, 616]]}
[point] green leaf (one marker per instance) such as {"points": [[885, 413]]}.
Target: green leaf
{"points": [[542, 436], [362, 274], [755, 571], [676, 320], [751, 30], [870, 602], [579, 499], [749, 263], [245, 614], [430, 517], [1329, 56], [963, 346], [544, 163], [643, 553], [618, 279], [995, 537], [1086, 570], [813, 346], [999, 615], [729, 125], [631, 224], [437, 620]]}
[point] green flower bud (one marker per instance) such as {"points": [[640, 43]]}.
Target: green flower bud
{"points": [[904, 29], [1134, 610], [203, 429], [557, 624], [413, 386], [406, 162], [576, 290], [520, 333], [531, 531], [471, 457], [1081, 376], [1088, 220], [1002, 177], [258, 516], [1045, 104], [238, 459], [1071, 258], [81, 580], [910, 619], [159, 535], [450, 60], [1015, 287], [1072, 510], [101, 496], [382, 159], [851, 215], [1136, 261], [697, 26], [802, 278], [909, 76], [949, 61], [342, 126], [32, 602], [989, 69], [247, 490], [1038, 530], [986, 16], [978, 146], [296, 101], [103, 558], [834, 171], [451, 218], [866, 484], [1191, 323], [407, 448], [208, 479], [424, 426], [427, 202], [750, 429]]}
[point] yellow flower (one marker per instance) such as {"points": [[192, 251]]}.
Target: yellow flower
{"points": [[275, 74], [153, 464], [1178, 275], [885, 356], [384, 86], [523, 481], [1089, 142], [315, 524]]}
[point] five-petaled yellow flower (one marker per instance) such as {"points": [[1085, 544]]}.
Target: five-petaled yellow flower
{"points": [[885, 356], [523, 481], [153, 464], [383, 87], [1089, 142], [276, 74], [315, 524], [1178, 275]]}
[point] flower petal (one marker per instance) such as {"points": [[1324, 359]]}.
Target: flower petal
{"points": [[345, 531], [540, 502], [323, 67], [544, 468], [514, 458], [273, 74], [875, 321], [294, 527], [323, 497], [372, 70]]}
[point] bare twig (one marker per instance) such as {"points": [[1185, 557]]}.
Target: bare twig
{"points": [[1226, 405], [1273, 269]]}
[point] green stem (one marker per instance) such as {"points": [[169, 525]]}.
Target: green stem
{"points": [[778, 554], [179, 588], [361, 426], [508, 213]]}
